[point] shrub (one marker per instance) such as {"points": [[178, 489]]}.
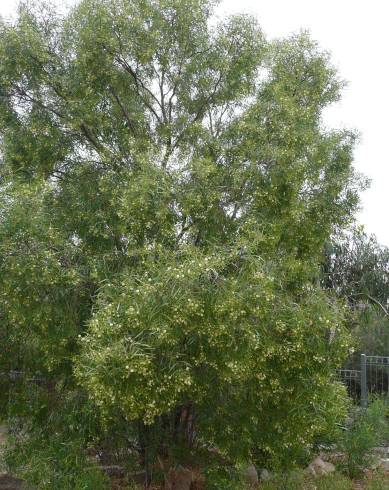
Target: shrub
{"points": [[162, 348], [53, 462], [367, 429]]}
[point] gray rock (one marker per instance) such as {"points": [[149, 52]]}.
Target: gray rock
{"points": [[250, 475], [318, 467], [3, 434], [384, 464], [382, 451], [374, 464], [113, 470], [265, 475]]}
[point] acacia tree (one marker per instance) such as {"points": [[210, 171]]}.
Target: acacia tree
{"points": [[167, 188]]}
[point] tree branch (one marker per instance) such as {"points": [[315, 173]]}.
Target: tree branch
{"points": [[198, 115], [374, 301], [130, 122], [138, 84]]}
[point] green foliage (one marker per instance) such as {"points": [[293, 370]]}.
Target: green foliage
{"points": [[219, 476], [43, 296], [356, 268], [184, 320], [368, 428], [51, 434], [52, 462], [166, 190]]}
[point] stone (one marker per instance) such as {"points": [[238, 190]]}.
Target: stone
{"points": [[250, 475], [374, 464], [384, 464], [3, 434], [382, 451], [265, 475], [113, 470], [318, 467], [9, 483]]}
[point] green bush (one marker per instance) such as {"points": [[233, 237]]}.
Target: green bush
{"points": [[367, 429], [53, 463], [224, 477]]}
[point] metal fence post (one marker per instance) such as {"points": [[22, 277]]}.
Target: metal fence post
{"points": [[364, 394]]}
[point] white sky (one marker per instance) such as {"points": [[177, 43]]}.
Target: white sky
{"points": [[356, 33]]}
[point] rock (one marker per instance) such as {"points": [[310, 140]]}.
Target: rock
{"points": [[382, 451], [250, 475], [384, 464], [326, 448], [334, 458], [374, 464], [318, 467], [265, 475], [9, 483], [3, 434], [113, 470], [179, 479]]}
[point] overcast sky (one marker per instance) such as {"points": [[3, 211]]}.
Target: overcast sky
{"points": [[356, 33]]}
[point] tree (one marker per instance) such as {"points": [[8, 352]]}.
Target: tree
{"points": [[167, 189], [356, 269]]}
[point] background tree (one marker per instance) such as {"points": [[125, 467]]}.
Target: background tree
{"points": [[167, 189], [356, 269]]}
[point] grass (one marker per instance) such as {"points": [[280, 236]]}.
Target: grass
{"points": [[299, 481], [336, 481]]}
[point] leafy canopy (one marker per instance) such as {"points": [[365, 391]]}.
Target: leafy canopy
{"points": [[167, 186]]}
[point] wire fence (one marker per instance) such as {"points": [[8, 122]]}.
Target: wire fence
{"points": [[351, 378], [372, 379]]}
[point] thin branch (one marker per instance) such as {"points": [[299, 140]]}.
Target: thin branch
{"points": [[161, 86], [184, 229], [86, 130], [130, 122], [198, 115], [27, 97], [138, 84], [210, 121], [374, 301]]}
